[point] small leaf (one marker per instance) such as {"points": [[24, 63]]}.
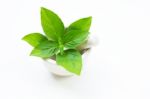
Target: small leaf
{"points": [[34, 39], [74, 38], [52, 24], [45, 49], [71, 60], [81, 24]]}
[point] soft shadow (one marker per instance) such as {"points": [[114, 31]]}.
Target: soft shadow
{"points": [[57, 77]]}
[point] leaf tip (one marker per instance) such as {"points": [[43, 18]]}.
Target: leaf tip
{"points": [[90, 18], [31, 53], [43, 8], [24, 38], [78, 73]]}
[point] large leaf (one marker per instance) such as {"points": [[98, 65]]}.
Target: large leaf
{"points": [[74, 38], [52, 24], [34, 39], [81, 24], [45, 49], [71, 60]]}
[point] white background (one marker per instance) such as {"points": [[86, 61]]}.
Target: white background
{"points": [[119, 68]]}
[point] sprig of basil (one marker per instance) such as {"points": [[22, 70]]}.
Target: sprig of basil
{"points": [[60, 41]]}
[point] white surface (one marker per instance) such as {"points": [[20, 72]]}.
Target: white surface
{"points": [[119, 68]]}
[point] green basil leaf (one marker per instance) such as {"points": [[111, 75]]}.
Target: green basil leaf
{"points": [[52, 24], [34, 39], [74, 38], [45, 49], [71, 60], [81, 24]]}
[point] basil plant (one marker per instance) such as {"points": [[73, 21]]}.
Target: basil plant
{"points": [[59, 41]]}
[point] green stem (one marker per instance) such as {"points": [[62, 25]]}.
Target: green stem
{"points": [[61, 50], [61, 46]]}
